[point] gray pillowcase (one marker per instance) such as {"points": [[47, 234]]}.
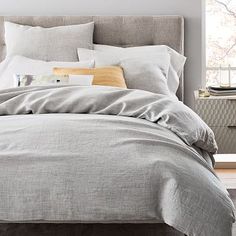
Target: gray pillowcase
{"points": [[146, 75], [48, 44]]}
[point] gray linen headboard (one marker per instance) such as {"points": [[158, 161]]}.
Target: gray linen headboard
{"points": [[121, 31]]}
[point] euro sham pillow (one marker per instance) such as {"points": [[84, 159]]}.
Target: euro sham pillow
{"points": [[26, 66], [104, 76], [109, 55], [48, 44]]}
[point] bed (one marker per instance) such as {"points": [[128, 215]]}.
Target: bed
{"points": [[105, 112]]}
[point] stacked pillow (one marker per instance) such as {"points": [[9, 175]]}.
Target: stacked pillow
{"points": [[36, 51], [159, 56], [19, 65]]}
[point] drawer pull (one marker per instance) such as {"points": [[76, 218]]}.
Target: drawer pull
{"points": [[231, 126]]}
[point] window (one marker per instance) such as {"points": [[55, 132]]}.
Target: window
{"points": [[220, 40]]}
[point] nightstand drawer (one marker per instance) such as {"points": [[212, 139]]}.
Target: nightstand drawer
{"points": [[217, 112], [225, 138]]}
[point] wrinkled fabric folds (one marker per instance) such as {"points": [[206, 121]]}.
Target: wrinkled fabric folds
{"points": [[168, 112], [107, 155]]}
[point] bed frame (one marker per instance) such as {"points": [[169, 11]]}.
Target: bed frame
{"points": [[121, 31]]}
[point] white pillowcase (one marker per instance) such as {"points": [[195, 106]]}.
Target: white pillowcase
{"points": [[23, 65], [177, 60], [110, 55], [48, 44]]}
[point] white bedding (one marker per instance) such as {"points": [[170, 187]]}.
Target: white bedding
{"points": [[26, 66]]}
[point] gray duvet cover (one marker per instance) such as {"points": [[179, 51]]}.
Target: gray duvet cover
{"points": [[108, 155]]}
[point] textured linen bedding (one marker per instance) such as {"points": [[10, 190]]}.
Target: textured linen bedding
{"points": [[108, 155]]}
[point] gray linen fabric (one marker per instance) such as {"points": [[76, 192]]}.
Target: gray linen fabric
{"points": [[136, 70], [48, 44], [123, 156]]}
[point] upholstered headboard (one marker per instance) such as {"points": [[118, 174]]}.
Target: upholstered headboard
{"points": [[122, 31]]}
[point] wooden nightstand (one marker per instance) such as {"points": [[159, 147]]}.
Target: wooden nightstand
{"points": [[219, 112]]}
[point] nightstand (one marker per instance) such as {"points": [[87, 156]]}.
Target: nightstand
{"points": [[220, 114]]}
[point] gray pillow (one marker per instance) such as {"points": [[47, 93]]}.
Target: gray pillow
{"points": [[48, 44], [141, 71], [105, 55], [146, 75]]}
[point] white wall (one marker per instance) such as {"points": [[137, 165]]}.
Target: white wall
{"points": [[190, 9]]}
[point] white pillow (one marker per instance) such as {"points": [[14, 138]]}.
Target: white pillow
{"points": [[22, 65], [48, 44], [109, 55], [177, 60]]}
